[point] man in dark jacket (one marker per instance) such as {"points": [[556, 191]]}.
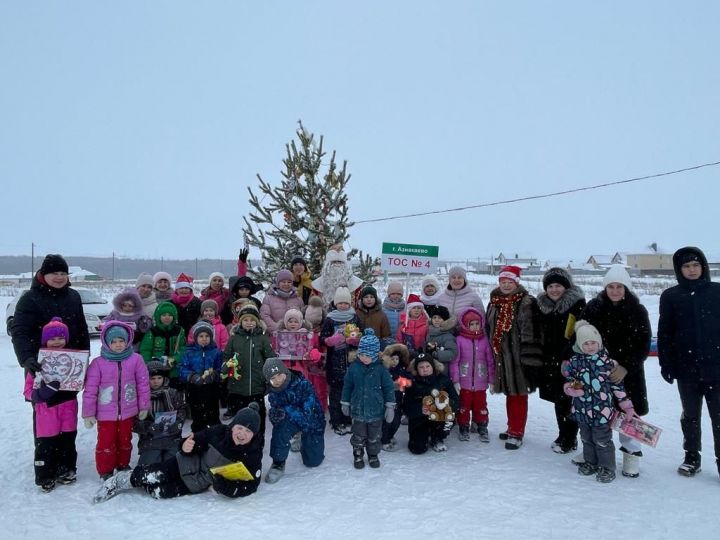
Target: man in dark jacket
{"points": [[49, 296], [689, 349]]}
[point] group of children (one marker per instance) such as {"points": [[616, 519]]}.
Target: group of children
{"points": [[380, 362]]}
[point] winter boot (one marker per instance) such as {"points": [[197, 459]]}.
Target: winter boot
{"points": [[358, 460], [605, 475], [120, 481], [296, 442], [439, 446], [473, 427], [277, 469], [513, 443], [464, 434], [373, 461], [391, 446], [691, 465], [631, 463], [66, 477], [586, 469], [47, 486], [483, 433], [503, 436], [578, 459]]}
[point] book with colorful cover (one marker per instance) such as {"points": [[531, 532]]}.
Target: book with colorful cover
{"points": [[65, 365], [636, 428], [233, 471]]}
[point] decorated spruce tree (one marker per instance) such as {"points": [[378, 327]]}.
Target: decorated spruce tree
{"points": [[306, 214]]}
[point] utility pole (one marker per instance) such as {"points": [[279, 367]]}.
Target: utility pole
{"points": [[196, 267], [113, 267], [162, 261], [32, 259]]}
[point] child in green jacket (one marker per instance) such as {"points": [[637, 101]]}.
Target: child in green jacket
{"points": [[165, 341], [244, 356]]}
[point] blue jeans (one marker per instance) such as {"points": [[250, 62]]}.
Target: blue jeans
{"points": [[312, 449]]}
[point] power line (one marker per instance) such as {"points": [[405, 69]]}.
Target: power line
{"points": [[543, 196]]}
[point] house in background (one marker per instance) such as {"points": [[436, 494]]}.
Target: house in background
{"points": [[648, 264], [604, 261], [523, 260]]}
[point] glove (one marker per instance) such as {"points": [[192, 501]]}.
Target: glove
{"points": [[276, 415], [334, 340], [667, 375], [142, 415], [571, 391], [195, 379], [243, 255], [315, 356], [211, 377], [457, 387], [90, 421], [617, 374], [32, 364], [353, 341], [345, 408], [389, 412]]}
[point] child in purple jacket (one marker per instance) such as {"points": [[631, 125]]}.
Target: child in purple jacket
{"points": [[54, 418], [117, 389], [472, 371]]}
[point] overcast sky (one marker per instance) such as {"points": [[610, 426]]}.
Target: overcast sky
{"points": [[135, 127]]}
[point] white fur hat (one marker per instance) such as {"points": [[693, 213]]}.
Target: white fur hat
{"points": [[617, 274], [429, 280], [335, 256]]}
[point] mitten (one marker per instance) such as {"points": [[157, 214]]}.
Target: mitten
{"points": [[457, 387], [617, 374], [315, 356], [389, 412], [195, 379], [345, 408], [276, 415], [45, 392], [142, 415], [243, 256], [334, 340], [571, 391], [353, 341], [32, 364], [667, 374], [90, 421], [211, 377]]}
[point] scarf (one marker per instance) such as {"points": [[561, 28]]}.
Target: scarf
{"points": [[430, 300], [341, 316], [221, 296], [181, 301], [163, 295], [393, 306], [107, 354], [292, 293], [464, 332], [149, 300], [505, 318]]}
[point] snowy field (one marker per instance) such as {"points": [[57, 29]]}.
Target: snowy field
{"points": [[472, 491]]}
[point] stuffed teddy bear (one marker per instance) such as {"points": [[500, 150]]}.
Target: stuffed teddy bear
{"points": [[438, 406]]}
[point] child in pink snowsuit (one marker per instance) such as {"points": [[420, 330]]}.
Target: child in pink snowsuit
{"points": [[472, 370], [314, 316], [117, 389], [54, 418]]}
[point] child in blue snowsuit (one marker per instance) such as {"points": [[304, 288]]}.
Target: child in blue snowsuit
{"points": [[294, 408]]}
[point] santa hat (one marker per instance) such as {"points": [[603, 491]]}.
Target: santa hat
{"points": [[335, 256], [183, 281], [413, 300], [55, 328], [510, 272]]}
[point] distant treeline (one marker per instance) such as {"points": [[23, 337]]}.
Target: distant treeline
{"points": [[126, 268]]}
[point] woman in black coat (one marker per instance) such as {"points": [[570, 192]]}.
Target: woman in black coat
{"points": [[49, 296], [560, 305], [624, 325]]}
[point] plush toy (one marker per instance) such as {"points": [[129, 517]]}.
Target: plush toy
{"points": [[352, 331], [438, 406], [230, 370]]}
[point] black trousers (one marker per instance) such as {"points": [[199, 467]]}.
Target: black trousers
{"points": [[692, 393], [567, 427], [424, 432], [161, 480], [54, 456], [204, 402]]}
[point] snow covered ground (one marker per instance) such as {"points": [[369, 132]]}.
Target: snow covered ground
{"points": [[472, 491]]}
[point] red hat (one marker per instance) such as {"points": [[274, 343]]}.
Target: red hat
{"points": [[510, 272], [183, 281], [471, 315], [414, 301]]}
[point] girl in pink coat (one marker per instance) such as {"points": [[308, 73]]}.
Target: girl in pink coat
{"points": [[472, 371], [54, 418], [279, 298], [117, 389], [413, 328]]}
